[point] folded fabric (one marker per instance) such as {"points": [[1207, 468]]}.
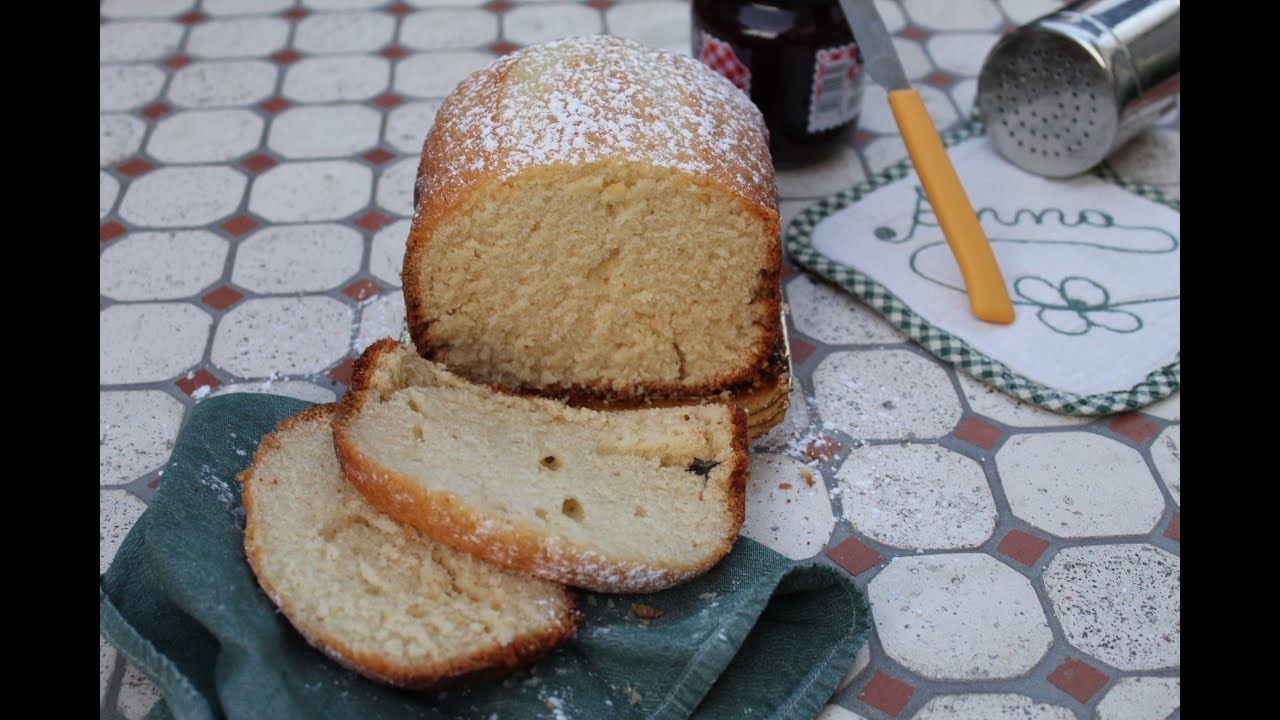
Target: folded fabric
{"points": [[759, 636], [1092, 264]]}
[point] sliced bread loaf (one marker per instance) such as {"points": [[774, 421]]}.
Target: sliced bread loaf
{"points": [[375, 595], [621, 501]]}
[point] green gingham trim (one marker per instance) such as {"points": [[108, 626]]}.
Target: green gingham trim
{"points": [[1156, 386]]}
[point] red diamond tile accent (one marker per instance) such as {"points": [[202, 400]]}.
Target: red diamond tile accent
{"points": [[1010, 27], [800, 350], [134, 167], [497, 6], [371, 221], [502, 47], [940, 79], [192, 17], [377, 156], [342, 372], [362, 290], [1135, 427], [222, 298], [154, 482], [154, 110], [110, 231], [393, 53], [239, 225], [274, 105], [914, 33], [399, 9], [295, 13], [1023, 547], [177, 61], [388, 100], [600, 4], [257, 163], [855, 556], [976, 432], [1078, 679], [199, 379], [862, 137], [887, 694], [1174, 531], [822, 449], [284, 57]]}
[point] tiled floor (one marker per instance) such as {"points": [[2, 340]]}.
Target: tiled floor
{"points": [[257, 160]]}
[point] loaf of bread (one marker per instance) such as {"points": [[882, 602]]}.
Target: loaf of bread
{"points": [[597, 219], [377, 596], [619, 501]]}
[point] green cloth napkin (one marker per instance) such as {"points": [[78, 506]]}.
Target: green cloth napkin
{"points": [[759, 636]]}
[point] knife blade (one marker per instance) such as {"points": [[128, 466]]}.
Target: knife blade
{"points": [[988, 295]]}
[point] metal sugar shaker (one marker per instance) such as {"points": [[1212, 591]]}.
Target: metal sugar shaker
{"points": [[1061, 93]]}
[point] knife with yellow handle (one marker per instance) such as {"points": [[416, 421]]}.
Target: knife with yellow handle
{"points": [[988, 296]]}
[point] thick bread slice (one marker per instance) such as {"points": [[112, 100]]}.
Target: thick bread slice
{"points": [[373, 594], [622, 501]]}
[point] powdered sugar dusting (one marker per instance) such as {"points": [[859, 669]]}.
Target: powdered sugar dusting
{"points": [[581, 100]]}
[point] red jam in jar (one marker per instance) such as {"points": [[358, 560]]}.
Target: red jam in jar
{"points": [[796, 59]]}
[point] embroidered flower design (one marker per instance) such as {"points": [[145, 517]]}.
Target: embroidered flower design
{"points": [[1075, 305]]}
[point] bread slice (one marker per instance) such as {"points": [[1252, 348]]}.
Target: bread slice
{"points": [[621, 501], [375, 595]]}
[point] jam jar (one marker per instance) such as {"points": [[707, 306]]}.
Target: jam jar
{"points": [[798, 62]]}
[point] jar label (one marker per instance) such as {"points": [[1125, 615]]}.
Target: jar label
{"points": [[719, 56], [836, 97]]}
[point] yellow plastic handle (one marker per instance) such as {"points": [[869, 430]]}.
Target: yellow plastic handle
{"points": [[988, 296]]}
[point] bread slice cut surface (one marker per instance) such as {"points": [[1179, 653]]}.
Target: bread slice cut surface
{"points": [[620, 501], [375, 595]]}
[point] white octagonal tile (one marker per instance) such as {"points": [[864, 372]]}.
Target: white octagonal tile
{"points": [[182, 196], [395, 186], [265, 337], [205, 136], [324, 131], [1169, 408], [136, 429], [911, 54], [123, 87], [243, 7], [449, 29], [118, 510], [1165, 453], [885, 394], [222, 83], [336, 78], [407, 125], [119, 136], [281, 259], [1024, 11], [108, 188], [288, 388], [137, 694], [381, 317], [831, 711], [530, 24], [238, 37], [344, 32], [964, 93], [919, 496], [342, 4], [827, 313], [1140, 698], [986, 400], [149, 343], [877, 116], [891, 13], [657, 24], [989, 706], [106, 666], [961, 616], [386, 254], [840, 170], [434, 75], [144, 8], [787, 506], [161, 265], [308, 191], [1119, 603], [142, 40], [1077, 484], [961, 53], [955, 14]]}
